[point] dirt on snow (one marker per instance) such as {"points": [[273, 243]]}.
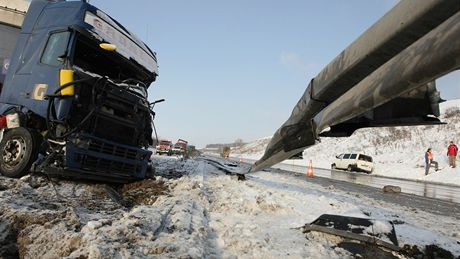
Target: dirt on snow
{"points": [[191, 209], [43, 219]]}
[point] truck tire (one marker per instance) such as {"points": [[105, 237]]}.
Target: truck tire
{"points": [[349, 168], [333, 167], [19, 149]]}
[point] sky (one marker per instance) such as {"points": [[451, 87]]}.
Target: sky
{"points": [[235, 69]]}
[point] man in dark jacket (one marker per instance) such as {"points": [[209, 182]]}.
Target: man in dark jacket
{"points": [[452, 154], [429, 161]]}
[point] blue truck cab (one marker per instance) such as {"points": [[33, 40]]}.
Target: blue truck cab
{"points": [[73, 98]]}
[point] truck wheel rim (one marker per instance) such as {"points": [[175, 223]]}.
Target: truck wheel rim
{"points": [[14, 151]]}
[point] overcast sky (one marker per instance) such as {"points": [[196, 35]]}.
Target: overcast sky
{"points": [[235, 69]]}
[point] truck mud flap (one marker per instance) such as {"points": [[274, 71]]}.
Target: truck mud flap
{"points": [[374, 232]]}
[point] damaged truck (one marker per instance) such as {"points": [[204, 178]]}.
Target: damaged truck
{"points": [[73, 98]]}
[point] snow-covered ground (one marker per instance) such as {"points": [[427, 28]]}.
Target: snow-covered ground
{"points": [[194, 210], [397, 151]]}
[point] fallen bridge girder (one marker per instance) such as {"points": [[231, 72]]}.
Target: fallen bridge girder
{"points": [[345, 88]]}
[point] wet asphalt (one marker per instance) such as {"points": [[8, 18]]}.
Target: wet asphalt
{"points": [[439, 199]]}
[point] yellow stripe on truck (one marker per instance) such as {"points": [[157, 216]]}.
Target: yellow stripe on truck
{"points": [[66, 76]]}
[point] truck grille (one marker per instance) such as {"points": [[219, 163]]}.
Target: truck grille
{"points": [[118, 115], [100, 164], [94, 154], [106, 148]]}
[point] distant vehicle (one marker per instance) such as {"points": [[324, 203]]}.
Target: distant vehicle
{"points": [[180, 148], [191, 151], [164, 147], [353, 162], [177, 149]]}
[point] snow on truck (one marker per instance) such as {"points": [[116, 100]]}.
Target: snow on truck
{"points": [[73, 98]]}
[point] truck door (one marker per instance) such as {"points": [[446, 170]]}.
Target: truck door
{"points": [[45, 75]]}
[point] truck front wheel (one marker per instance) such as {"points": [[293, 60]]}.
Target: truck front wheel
{"points": [[19, 149]]}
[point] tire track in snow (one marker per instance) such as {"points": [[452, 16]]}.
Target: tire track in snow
{"points": [[163, 223], [210, 246]]}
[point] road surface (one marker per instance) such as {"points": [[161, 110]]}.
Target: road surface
{"points": [[450, 193]]}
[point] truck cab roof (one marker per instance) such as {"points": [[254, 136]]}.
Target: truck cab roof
{"points": [[44, 16]]}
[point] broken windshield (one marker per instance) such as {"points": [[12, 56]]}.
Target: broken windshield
{"points": [[108, 30], [90, 57]]}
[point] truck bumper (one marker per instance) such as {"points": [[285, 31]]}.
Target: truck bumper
{"points": [[92, 158]]}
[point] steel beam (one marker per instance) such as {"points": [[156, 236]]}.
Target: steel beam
{"points": [[406, 23], [431, 57]]}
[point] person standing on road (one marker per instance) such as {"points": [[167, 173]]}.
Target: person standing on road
{"points": [[452, 154], [429, 160]]}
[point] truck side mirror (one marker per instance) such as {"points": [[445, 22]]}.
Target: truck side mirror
{"points": [[62, 58], [158, 101]]}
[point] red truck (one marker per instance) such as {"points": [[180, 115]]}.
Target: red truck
{"points": [[164, 147], [180, 148]]}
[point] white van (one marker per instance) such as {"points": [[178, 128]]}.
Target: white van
{"points": [[353, 162]]}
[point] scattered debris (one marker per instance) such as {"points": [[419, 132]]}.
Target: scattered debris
{"points": [[241, 177], [366, 250], [430, 251], [374, 232]]}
